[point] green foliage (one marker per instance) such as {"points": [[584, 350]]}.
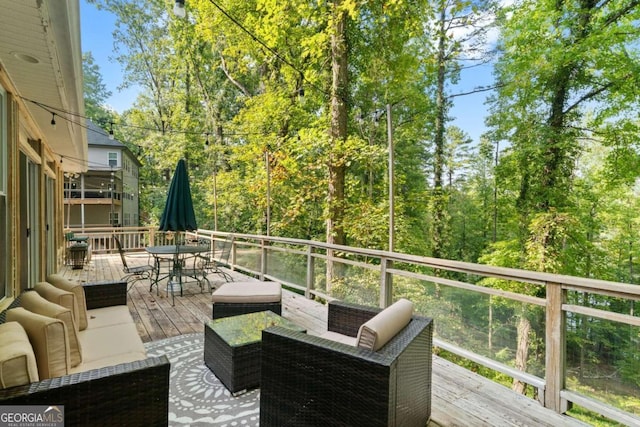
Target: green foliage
{"points": [[559, 87], [552, 187], [591, 418], [629, 364], [95, 92]]}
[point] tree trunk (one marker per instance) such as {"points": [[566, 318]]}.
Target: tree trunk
{"points": [[338, 134], [522, 351], [439, 140]]}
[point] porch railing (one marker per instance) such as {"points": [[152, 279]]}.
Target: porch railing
{"points": [[572, 340]]}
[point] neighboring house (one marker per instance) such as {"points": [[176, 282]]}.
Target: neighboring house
{"points": [[107, 193], [40, 84]]}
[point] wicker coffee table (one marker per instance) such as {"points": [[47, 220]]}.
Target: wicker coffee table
{"points": [[232, 347]]}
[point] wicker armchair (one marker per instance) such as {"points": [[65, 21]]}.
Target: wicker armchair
{"points": [[131, 394], [310, 381]]}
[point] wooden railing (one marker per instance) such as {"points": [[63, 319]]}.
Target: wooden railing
{"points": [[132, 238], [542, 314]]}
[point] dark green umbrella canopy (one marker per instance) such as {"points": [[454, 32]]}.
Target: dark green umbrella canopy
{"points": [[178, 213]]}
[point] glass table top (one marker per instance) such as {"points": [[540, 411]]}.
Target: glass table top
{"points": [[247, 328]]}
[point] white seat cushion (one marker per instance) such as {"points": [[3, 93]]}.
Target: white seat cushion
{"points": [[336, 337], [377, 331], [17, 361], [245, 292], [108, 316], [109, 361], [110, 341]]}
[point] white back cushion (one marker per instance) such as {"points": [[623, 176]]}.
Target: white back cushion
{"points": [[376, 332], [63, 283]]}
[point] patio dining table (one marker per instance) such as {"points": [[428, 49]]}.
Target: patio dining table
{"points": [[177, 255]]}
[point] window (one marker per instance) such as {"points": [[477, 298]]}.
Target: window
{"points": [[113, 159], [3, 193]]}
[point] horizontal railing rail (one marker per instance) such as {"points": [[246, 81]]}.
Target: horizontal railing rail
{"points": [[531, 309]]}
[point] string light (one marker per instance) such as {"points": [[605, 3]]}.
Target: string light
{"points": [[111, 131], [48, 108], [206, 143], [178, 9], [53, 120]]}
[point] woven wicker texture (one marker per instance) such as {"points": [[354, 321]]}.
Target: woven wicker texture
{"points": [[223, 309], [308, 381], [128, 394]]}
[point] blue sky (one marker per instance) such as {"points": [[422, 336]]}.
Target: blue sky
{"points": [[97, 28], [469, 111]]}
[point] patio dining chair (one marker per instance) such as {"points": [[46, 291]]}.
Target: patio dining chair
{"points": [[135, 273], [212, 265], [194, 267]]}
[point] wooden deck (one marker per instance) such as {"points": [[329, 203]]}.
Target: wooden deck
{"points": [[460, 397]]}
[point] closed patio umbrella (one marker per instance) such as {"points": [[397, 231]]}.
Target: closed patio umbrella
{"points": [[178, 212], [178, 215]]}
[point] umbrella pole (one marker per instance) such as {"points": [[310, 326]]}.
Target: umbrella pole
{"points": [[177, 271], [180, 265]]}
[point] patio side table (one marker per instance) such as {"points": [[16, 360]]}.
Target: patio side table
{"points": [[77, 255], [232, 347]]}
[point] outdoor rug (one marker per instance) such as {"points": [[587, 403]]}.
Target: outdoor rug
{"points": [[196, 396]]}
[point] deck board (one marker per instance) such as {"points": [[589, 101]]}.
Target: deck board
{"points": [[459, 396]]}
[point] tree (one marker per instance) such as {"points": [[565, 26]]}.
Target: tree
{"points": [[460, 28], [559, 61], [95, 91], [337, 129], [576, 58]]}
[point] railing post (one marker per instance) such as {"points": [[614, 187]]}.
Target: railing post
{"points": [[555, 348], [310, 271], [152, 237], [263, 259], [386, 283], [233, 254]]}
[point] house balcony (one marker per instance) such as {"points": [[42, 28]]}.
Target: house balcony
{"points": [[93, 198], [475, 323]]}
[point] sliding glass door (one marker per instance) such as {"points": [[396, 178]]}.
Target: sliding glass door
{"points": [[29, 230], [4, 242]]}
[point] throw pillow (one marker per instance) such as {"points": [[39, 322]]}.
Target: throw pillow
{"points": [[65, 284], [17, 361], [33, 302], [58, 296], [49, 340], [379, 330]]}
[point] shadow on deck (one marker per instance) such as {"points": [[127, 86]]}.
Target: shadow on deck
{"points": [[459, 396]]}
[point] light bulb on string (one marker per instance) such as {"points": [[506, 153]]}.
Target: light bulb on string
{"points": [[53, 120], [111, 137], [178, 9]]}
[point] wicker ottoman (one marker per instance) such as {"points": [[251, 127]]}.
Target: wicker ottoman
{"points": [[236, 298], [232, 347]]}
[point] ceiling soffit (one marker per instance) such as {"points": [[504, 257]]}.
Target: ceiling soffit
{"points": [[40, 51]]}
